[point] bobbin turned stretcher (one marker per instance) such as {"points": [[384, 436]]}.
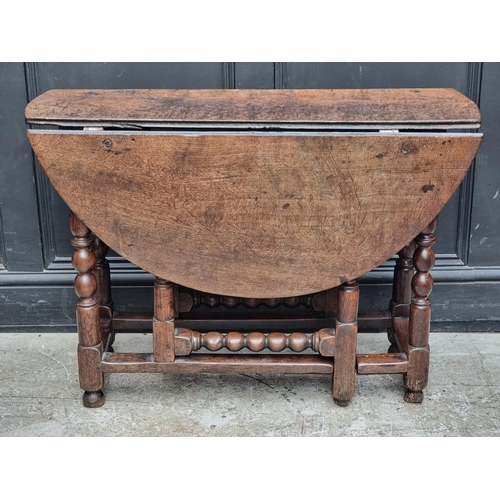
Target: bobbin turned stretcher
{"points": [[255, 200]]}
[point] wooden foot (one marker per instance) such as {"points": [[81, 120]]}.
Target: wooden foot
{"points": [[414, 396], [93, 399], [341, 403]]}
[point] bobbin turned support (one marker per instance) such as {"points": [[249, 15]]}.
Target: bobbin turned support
{"points": [[418, 351], [87, 315]]}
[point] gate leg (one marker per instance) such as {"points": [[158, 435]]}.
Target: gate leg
{"points": [[346, 337], [401, 290], [163, 322], [103, 295]]}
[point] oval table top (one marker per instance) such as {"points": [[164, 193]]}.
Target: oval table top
{"points": [[254, 214]]}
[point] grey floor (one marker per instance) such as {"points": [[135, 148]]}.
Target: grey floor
{"points": [[40, 396]]}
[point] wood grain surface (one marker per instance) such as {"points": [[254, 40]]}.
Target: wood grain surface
{"points": [[254, 215], [370, 364], [345, 107], [219, 363]]}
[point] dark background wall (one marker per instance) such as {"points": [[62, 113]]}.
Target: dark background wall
{"points": [[35, 254]]}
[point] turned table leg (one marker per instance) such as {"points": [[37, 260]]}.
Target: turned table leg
{"points": [[163, 321], [401, 289], [101, 273], [87, 315], [418, 351], [346, 336]]}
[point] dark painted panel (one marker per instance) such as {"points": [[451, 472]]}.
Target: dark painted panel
{"points": [[376, 75], [452, 304], [58, 217], [485, 228], [129, 75], [54, 308], [254, 75], [446, 234], [21, 238], [2, 246]]}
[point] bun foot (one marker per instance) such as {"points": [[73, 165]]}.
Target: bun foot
{"points": [[93, 399], [414, 396], [341, 402]]}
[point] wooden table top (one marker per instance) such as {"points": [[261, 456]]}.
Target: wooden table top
{"points": [[255, 214], [308, 108]]}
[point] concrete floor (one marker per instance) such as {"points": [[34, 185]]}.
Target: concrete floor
{"points": [[40, 395]]}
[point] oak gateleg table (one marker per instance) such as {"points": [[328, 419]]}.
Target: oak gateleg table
{"points": [[249, 200]]}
